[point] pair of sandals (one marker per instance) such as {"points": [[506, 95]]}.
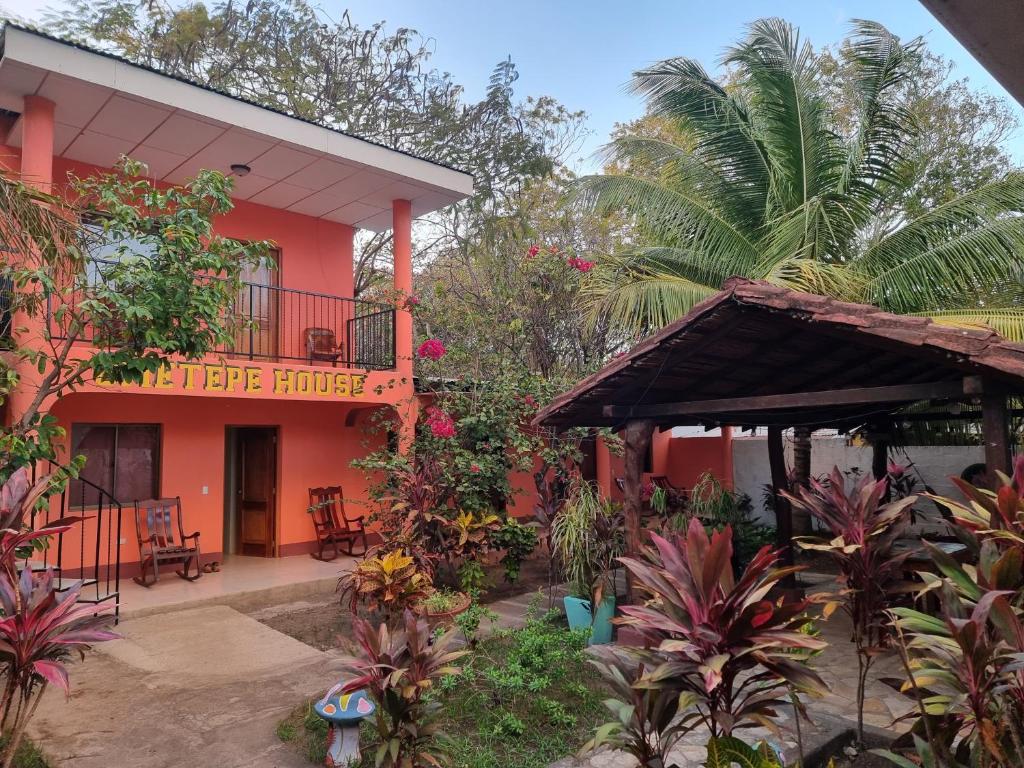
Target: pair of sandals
{"points": [[212, 567]]}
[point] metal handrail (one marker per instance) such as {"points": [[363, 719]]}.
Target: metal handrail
{"points": [[277, 323]]}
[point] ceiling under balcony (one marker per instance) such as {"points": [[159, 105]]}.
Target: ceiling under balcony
{"points": [[106, 107]]}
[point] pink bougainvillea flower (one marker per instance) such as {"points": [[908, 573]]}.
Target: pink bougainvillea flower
{"points": [[412, 301], [432, 349], [530, 401], [581, 264], [474, 468], [534, 250], [440, 423]]}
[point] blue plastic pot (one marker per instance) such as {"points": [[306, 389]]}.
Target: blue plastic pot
{"points": [[580, 615]]}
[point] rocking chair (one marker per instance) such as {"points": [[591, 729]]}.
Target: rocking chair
{"points": [[162, 542], [333, 527]]}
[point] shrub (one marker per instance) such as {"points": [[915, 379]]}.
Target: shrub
{"points": [[398, 669], [388, 582], [519, 541], [862, 533], [588, 536], [715, 640], [964, 666]]}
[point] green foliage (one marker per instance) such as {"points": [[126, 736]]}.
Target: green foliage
{"points": [[468, 622], [472, 577], [588, 536], [726, 751], [139, 308], [716, 507], [523, 700], [756, 178], [519, 541], [28, 755], [386, 581]]}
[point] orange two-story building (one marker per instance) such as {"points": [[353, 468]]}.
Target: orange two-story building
{"points": [[242, 435]]}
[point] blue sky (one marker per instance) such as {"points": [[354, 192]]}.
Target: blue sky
{"points": [[583, 52]]}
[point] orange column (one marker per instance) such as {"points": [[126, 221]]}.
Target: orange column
{"points": [[727, 457], [402, 246], [37, 142], [401, 211], [37, 171]]}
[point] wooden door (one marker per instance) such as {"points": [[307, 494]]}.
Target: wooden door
{"points": [[257, 490], [258, 300]]}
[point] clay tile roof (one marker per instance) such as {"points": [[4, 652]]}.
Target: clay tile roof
{"points": [[804, 342]]}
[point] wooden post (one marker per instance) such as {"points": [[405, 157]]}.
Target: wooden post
{"points": [[879, 436], [638, 440], [780, 482], [995, 431]]}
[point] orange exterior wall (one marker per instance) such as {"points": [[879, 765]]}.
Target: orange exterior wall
{"points": [[318, 435], [682, 459], [315, 448]]}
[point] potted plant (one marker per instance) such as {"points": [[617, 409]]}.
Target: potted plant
{"points": [[385, 581], [441, 606], [587, 537]]}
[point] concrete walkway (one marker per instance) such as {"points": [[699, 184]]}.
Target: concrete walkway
{"points": [[205, 686]]}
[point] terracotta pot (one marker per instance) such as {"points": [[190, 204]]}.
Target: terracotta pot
{"points": [[444, 618]]}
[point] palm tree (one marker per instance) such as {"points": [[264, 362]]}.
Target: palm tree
{"points": [[760, 184]]}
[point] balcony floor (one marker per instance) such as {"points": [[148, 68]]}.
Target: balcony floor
{"points": [[242, 583]]}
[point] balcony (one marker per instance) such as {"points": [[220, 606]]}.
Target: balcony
{"points": [[275, 324]]}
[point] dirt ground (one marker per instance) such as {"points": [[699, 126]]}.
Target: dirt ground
{"points": [[326, 625]]}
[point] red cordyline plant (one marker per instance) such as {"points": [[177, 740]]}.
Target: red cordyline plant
{"points": [[964, 667], [862, 534], [40, 627], [715, 640], [397, 668]]}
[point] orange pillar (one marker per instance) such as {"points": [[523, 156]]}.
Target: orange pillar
{"points": [[37, 171], [401, 211], [401, 244], [727, 468], [37, 142]]}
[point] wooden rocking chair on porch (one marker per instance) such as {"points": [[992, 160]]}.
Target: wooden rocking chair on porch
{"points": [[162, 540], [333, 527]]}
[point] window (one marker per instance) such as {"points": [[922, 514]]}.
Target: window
{"points": [[121, 459]]}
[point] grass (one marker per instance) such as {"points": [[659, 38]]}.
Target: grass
{"points": [[523, 699], [28, 755]]}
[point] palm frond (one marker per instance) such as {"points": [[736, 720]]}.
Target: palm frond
{"points": [[814, 276], [1008, 323], [1003, 197], [779, 73], [680, 89], [672, 216], [639, 298], [884, 126]]}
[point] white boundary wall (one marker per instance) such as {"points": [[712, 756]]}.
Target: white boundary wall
{"points": [[934, 463]]}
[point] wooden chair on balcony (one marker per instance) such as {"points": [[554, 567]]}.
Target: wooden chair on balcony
{"points": [[321, 344], [333, 527], [162, 540]]}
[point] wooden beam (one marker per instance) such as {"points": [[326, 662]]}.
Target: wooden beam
{"points": [[939, 390], [995, 431], [637, 440], [780, 482]]}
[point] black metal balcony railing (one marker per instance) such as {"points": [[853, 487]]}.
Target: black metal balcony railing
{"points": [[273, 323]]}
